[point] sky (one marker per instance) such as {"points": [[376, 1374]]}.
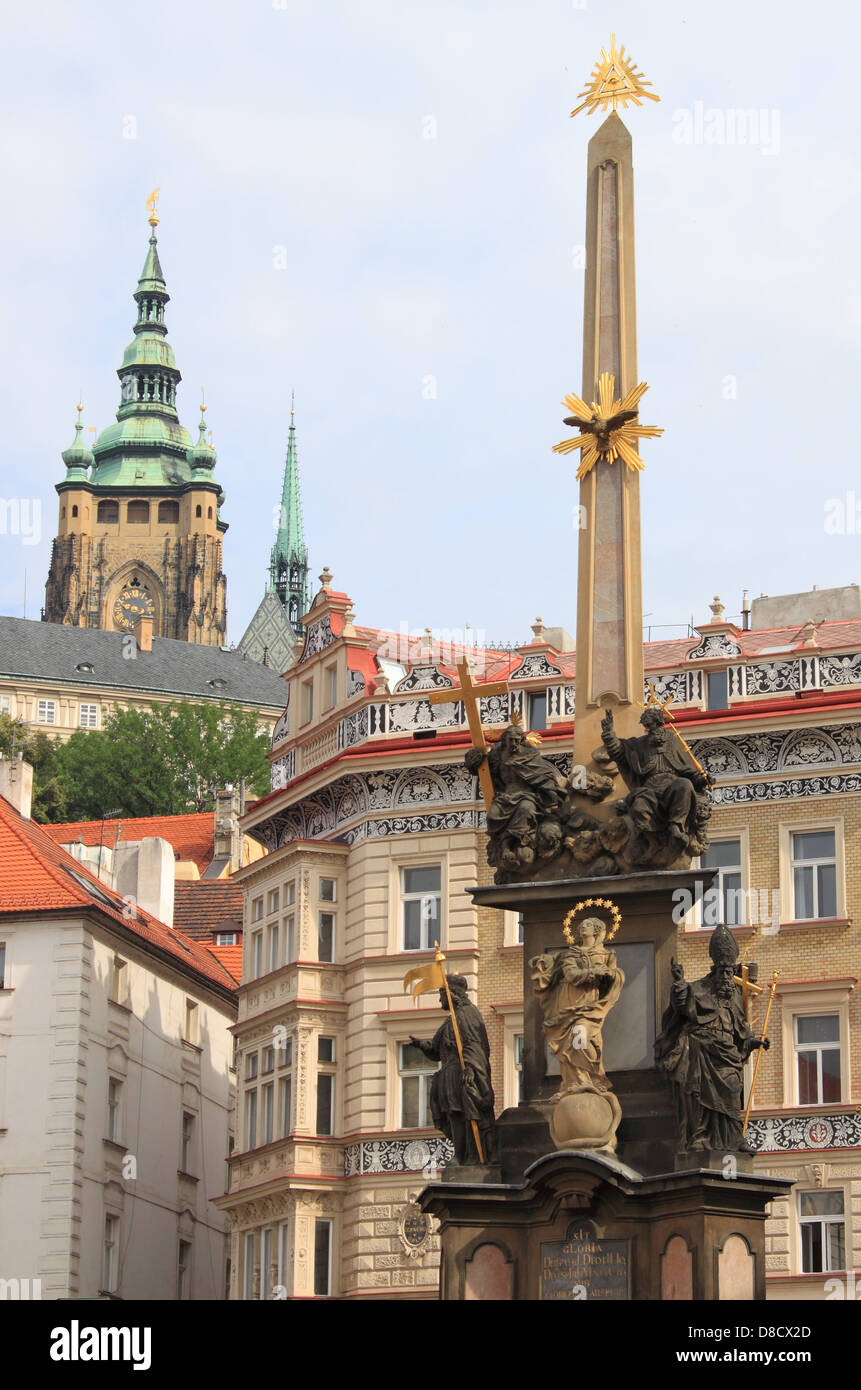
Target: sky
{"points": [[380, 206]]}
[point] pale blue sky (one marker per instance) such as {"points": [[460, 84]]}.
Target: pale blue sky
{"points": [[409, 258]]}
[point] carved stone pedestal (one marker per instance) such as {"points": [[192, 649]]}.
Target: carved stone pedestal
{"points": [[644, 944], [581, 1226]]}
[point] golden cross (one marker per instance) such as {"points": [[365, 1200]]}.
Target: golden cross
{"points": [[470, 694], [671, 724], [747, 987]]}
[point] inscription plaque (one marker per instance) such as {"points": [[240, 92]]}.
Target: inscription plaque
{"points": [[584, 1267]]}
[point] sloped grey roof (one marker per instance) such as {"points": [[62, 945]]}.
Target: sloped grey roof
{"points": [[270, 630], [52, 652]]}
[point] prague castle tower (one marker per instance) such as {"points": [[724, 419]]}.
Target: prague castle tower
{"points": [[139, 529]]}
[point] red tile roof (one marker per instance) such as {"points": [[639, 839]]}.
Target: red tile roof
{"points": [[36, 875], [203, 906], [231, 959], [191, 836]]}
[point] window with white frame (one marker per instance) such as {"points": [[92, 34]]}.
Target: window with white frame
{"points": [[326, 936], [822, 1228], [415, 1075], [326, 890], [290, 893], [5, 704], [256, 954], [268, 1060], [183, 1272], [115, 1088], [814, 874], [727, 905], [268, 1099], [252, 1060], [273, 900], [110, 1254], [225, 938], [272, 947], [251, 1118], [257, 909], [266, 1249], [421, 897], [322, 1258], [186, 1154], [817, 1053], [325, 1085], [89, 716], [285, 1104], [289, 938], [46, 712], [283, 1254], [248, 1266]]}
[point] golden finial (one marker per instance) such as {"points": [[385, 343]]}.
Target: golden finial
{"points": [[80, 406], [202, 402], [151, 207], [614, 82], [607, 428]]}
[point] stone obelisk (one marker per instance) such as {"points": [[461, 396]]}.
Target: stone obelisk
{"points": [[609, 584]]}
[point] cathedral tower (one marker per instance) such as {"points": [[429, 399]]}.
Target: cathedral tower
{"points": [[140, 532]]}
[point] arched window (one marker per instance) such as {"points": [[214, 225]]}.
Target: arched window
{"points": [[198, 511], [294, 577], [63, 514], [109, 512], [294, 611], [138, 513], [75, 511], [209, 513], [168, 511]]}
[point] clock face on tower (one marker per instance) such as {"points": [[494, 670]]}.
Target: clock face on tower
{"points": [[132, 603]]}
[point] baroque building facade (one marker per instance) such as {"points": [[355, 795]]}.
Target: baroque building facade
{"points": [[373, 831], [140, 531]]}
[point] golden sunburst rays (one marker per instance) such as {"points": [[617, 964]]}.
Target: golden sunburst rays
{"points": [[604, 435], [614, 82]]}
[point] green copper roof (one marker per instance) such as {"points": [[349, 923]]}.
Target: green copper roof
{"points": [[147, 446], [290, 541], [77, 457], [202, 456]]}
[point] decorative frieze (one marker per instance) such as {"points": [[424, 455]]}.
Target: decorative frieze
{"points": [[396, 1156], [781, 1133], [424, 678], [318, 636], [533, 667], [356, 684]]}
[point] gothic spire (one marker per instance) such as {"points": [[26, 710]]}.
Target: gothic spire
{"points": [[288, 565]]}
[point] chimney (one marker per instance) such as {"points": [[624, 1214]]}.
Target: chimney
{"points": [[227, 835], [145, 871], [16, 784], [143, 633]]}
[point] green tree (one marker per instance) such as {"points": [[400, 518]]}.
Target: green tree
{"points": [[17, 739], [167, 760]]}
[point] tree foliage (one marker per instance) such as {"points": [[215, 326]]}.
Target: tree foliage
{"points": [[167, 760], [18, 739]]}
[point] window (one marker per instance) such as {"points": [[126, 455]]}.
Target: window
{"points": [[326, 936], [89, 716], [325, 1084], [190, 1035], [114, 1091], [322, 1258], [138, 514], [727, 900], [272, 947], [257, 909], [717, 690], [108, 512], [168, 512], [46, 712], [209, 513], [420, 898], [814, 874], [330, 687], [416, 1072], [325, 1049], [307, 701], [198, 511], [251, 1061], [290, 893], [283, 1254], [3, 984], [817, 1050], [289, 938], [286, 1058], [265, 1261], [5, 704], [74, 511], [225, 938], [518, 1064], [109, 1254], [273, 901], [538, 710], [285, 1105], [120, 983], [248, 1272], [268, 1112], [823, 1231], [185, 1161], [256, 955], [268, 1060], [251, 1119], [327, 890], [183, 1269]]}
